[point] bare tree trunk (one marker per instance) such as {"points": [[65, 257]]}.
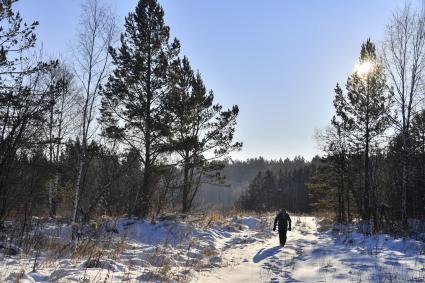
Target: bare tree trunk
{"points": [[78, 187]]}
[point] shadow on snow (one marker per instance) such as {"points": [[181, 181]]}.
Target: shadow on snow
{"points": [[265, 253]]}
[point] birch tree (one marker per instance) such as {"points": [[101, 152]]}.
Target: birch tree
{"points": [[404, 58], [60, 123], [96, 35]]}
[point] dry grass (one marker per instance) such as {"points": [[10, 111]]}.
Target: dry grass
{"points": [[212, 217]]}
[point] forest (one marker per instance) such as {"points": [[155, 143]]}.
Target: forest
{"points": [[289, 175], [374, 162], [129, 128]]}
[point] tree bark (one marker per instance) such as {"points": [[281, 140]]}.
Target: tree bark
{"points": [[186, 186]]}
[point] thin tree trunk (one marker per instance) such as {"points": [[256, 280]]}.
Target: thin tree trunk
{"points": [[186, 186], [367, 192], [404, 180], [423, 174], [51, 125], [366, 195], [78, 186], [144, 206], [51, 210]]}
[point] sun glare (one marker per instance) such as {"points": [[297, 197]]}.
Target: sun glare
{"points": [[363, 69]]}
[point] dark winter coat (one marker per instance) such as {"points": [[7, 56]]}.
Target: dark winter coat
{"points": [[283, 222]]}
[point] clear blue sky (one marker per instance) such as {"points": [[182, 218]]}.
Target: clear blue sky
{"points": [[279, 60]]}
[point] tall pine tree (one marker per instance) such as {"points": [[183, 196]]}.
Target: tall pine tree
{"points": [[133, 99], [366, 108]]}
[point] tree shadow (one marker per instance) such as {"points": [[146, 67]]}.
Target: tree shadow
{"points": [[265, 253]]}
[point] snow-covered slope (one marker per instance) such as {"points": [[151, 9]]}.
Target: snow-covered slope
{"points": [[237, 249]]}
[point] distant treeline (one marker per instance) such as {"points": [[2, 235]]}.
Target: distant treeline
{"points": [[284, 185]]}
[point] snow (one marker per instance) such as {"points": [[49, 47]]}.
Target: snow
{"points": [[236, 249], [332, 256]]}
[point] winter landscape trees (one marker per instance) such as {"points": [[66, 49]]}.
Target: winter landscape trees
{"points": [[379, 120], [98, 147], [23, 102], [362, 117], [128, 127]]}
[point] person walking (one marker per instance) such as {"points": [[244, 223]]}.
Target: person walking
{"points": [[283, 222]]}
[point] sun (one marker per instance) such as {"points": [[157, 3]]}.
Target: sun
{"points": [[364, 68]]}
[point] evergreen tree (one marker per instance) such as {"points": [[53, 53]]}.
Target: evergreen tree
{"points": [[251, 199], [366, 109], [333, 171], [133, 99], [323, 189], [201, 132], [260, 194], [331, 182], [283, 179], [268, 192], [418, 144]]}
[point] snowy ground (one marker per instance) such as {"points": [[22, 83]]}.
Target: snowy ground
{"points": [[238, 249], [313, 256]]}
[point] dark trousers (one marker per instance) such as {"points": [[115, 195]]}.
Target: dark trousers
{"points": [[282, 237]]}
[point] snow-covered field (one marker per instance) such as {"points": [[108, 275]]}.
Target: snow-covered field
{"points": [[237, 249]]}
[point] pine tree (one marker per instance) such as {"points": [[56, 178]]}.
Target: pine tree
{"points": [[252, 198], [366, 109], [201, 132], [133, 99], [268, 192], [332, 173], [283, 197], [338, 154], [323, 189]]}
